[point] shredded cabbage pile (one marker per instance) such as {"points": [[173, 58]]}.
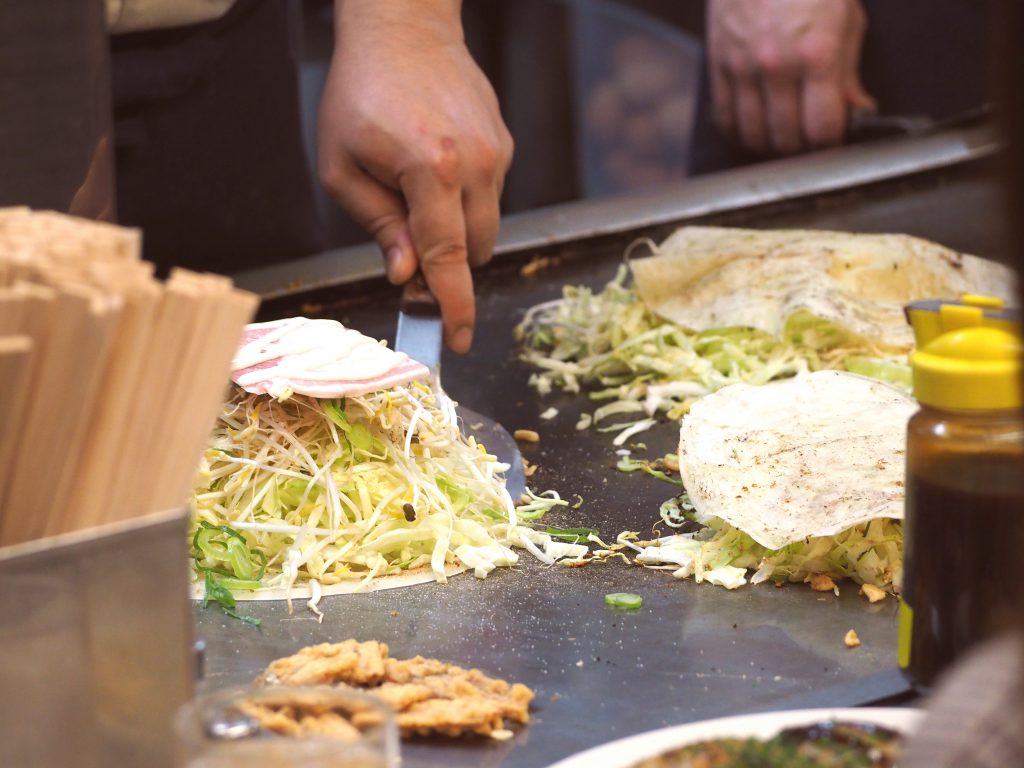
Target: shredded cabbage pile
{"points": [[870, 553], [303, 490], [641, 364]]}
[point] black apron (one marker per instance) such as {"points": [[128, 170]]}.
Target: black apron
{"points": [[209, 152]]}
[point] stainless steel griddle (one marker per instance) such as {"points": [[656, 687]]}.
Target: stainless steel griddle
{"points": [[692, 651]]}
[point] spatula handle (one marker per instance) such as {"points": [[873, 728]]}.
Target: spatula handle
{"points": [[417, 298]]}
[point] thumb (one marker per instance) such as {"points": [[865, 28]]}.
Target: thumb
{"points": [[858, 98], [379, 210], [854, 92], [399, 254]]}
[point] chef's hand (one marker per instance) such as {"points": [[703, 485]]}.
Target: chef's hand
{"points": [[784, 73], [412, 143], [95, 198]]}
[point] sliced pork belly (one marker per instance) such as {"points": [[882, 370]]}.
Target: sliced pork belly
{"points": [[319, 358]]}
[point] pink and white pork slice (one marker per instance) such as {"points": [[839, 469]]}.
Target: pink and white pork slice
{"points": [[319, 358]]}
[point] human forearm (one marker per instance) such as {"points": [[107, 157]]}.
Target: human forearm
{"points": [[440, 20]]}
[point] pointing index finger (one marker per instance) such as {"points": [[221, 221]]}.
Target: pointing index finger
{"points": [[433, 195]]}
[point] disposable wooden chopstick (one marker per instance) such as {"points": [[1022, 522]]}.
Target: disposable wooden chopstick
{"points": [[15, 357], [29, 309], [211, 292], [12, 310], [90, 362], [199, 334], [206, 398], [123, 381], [13, 211], [19, 523], [161, 373], [53, 428], [100, 239], [96, 485]]}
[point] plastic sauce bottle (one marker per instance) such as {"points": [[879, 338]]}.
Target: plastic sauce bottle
{"points": [[964, 526]]}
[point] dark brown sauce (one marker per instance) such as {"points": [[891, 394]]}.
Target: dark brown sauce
{"points": [[964, 553]]}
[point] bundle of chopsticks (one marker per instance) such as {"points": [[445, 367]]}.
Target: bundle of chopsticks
{"points": [[110, 379]]}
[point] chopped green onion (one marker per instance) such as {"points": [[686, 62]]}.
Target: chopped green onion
{"points": [[217, 591], [575, 535], [623, 600], [626, 464], [247, 619]]}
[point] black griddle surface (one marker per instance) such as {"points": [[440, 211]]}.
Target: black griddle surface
{"points": [[692, 651]]}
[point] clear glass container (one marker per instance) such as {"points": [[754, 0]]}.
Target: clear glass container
{"points": [[286, 727]]}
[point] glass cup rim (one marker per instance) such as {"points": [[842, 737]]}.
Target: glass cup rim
{"points": [[191, 733]]}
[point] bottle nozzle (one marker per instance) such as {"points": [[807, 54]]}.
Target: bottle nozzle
{"points": [[933, 317]]}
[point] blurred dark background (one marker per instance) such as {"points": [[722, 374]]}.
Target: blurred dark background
{"points": [[603, 97], [608, 96]]}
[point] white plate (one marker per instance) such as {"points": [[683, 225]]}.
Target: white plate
{"points": [[626, 752]]}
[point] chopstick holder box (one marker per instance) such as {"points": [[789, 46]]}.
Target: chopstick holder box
{"points": [[97, 635]]}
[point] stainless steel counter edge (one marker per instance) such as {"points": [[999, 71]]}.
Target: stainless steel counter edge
{"points": [[101, 535], [768, 182]]}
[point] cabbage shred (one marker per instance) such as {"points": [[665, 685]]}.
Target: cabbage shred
{"points": [[610, 344], [869, 553], [304, 490]]}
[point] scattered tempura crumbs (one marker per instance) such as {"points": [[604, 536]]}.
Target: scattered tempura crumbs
{"points": [[528, 468], [671, 462], [526, 436], [821, 582], [538, 263], [872, 593], [549, 414], [502, 734], [575, 563], [851, 639]]}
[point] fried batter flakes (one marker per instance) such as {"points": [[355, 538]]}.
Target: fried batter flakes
{"points": [[309, 715], [428, 696]]}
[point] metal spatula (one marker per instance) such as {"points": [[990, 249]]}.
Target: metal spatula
{"points": [[420, 335]]}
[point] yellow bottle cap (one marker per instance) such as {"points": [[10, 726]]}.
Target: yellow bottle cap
{"points": [[932, 317], [970, 368]]}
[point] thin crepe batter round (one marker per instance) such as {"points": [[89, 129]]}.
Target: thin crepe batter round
{"points": [[808, 456], [303, 591], [710, 277]]}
